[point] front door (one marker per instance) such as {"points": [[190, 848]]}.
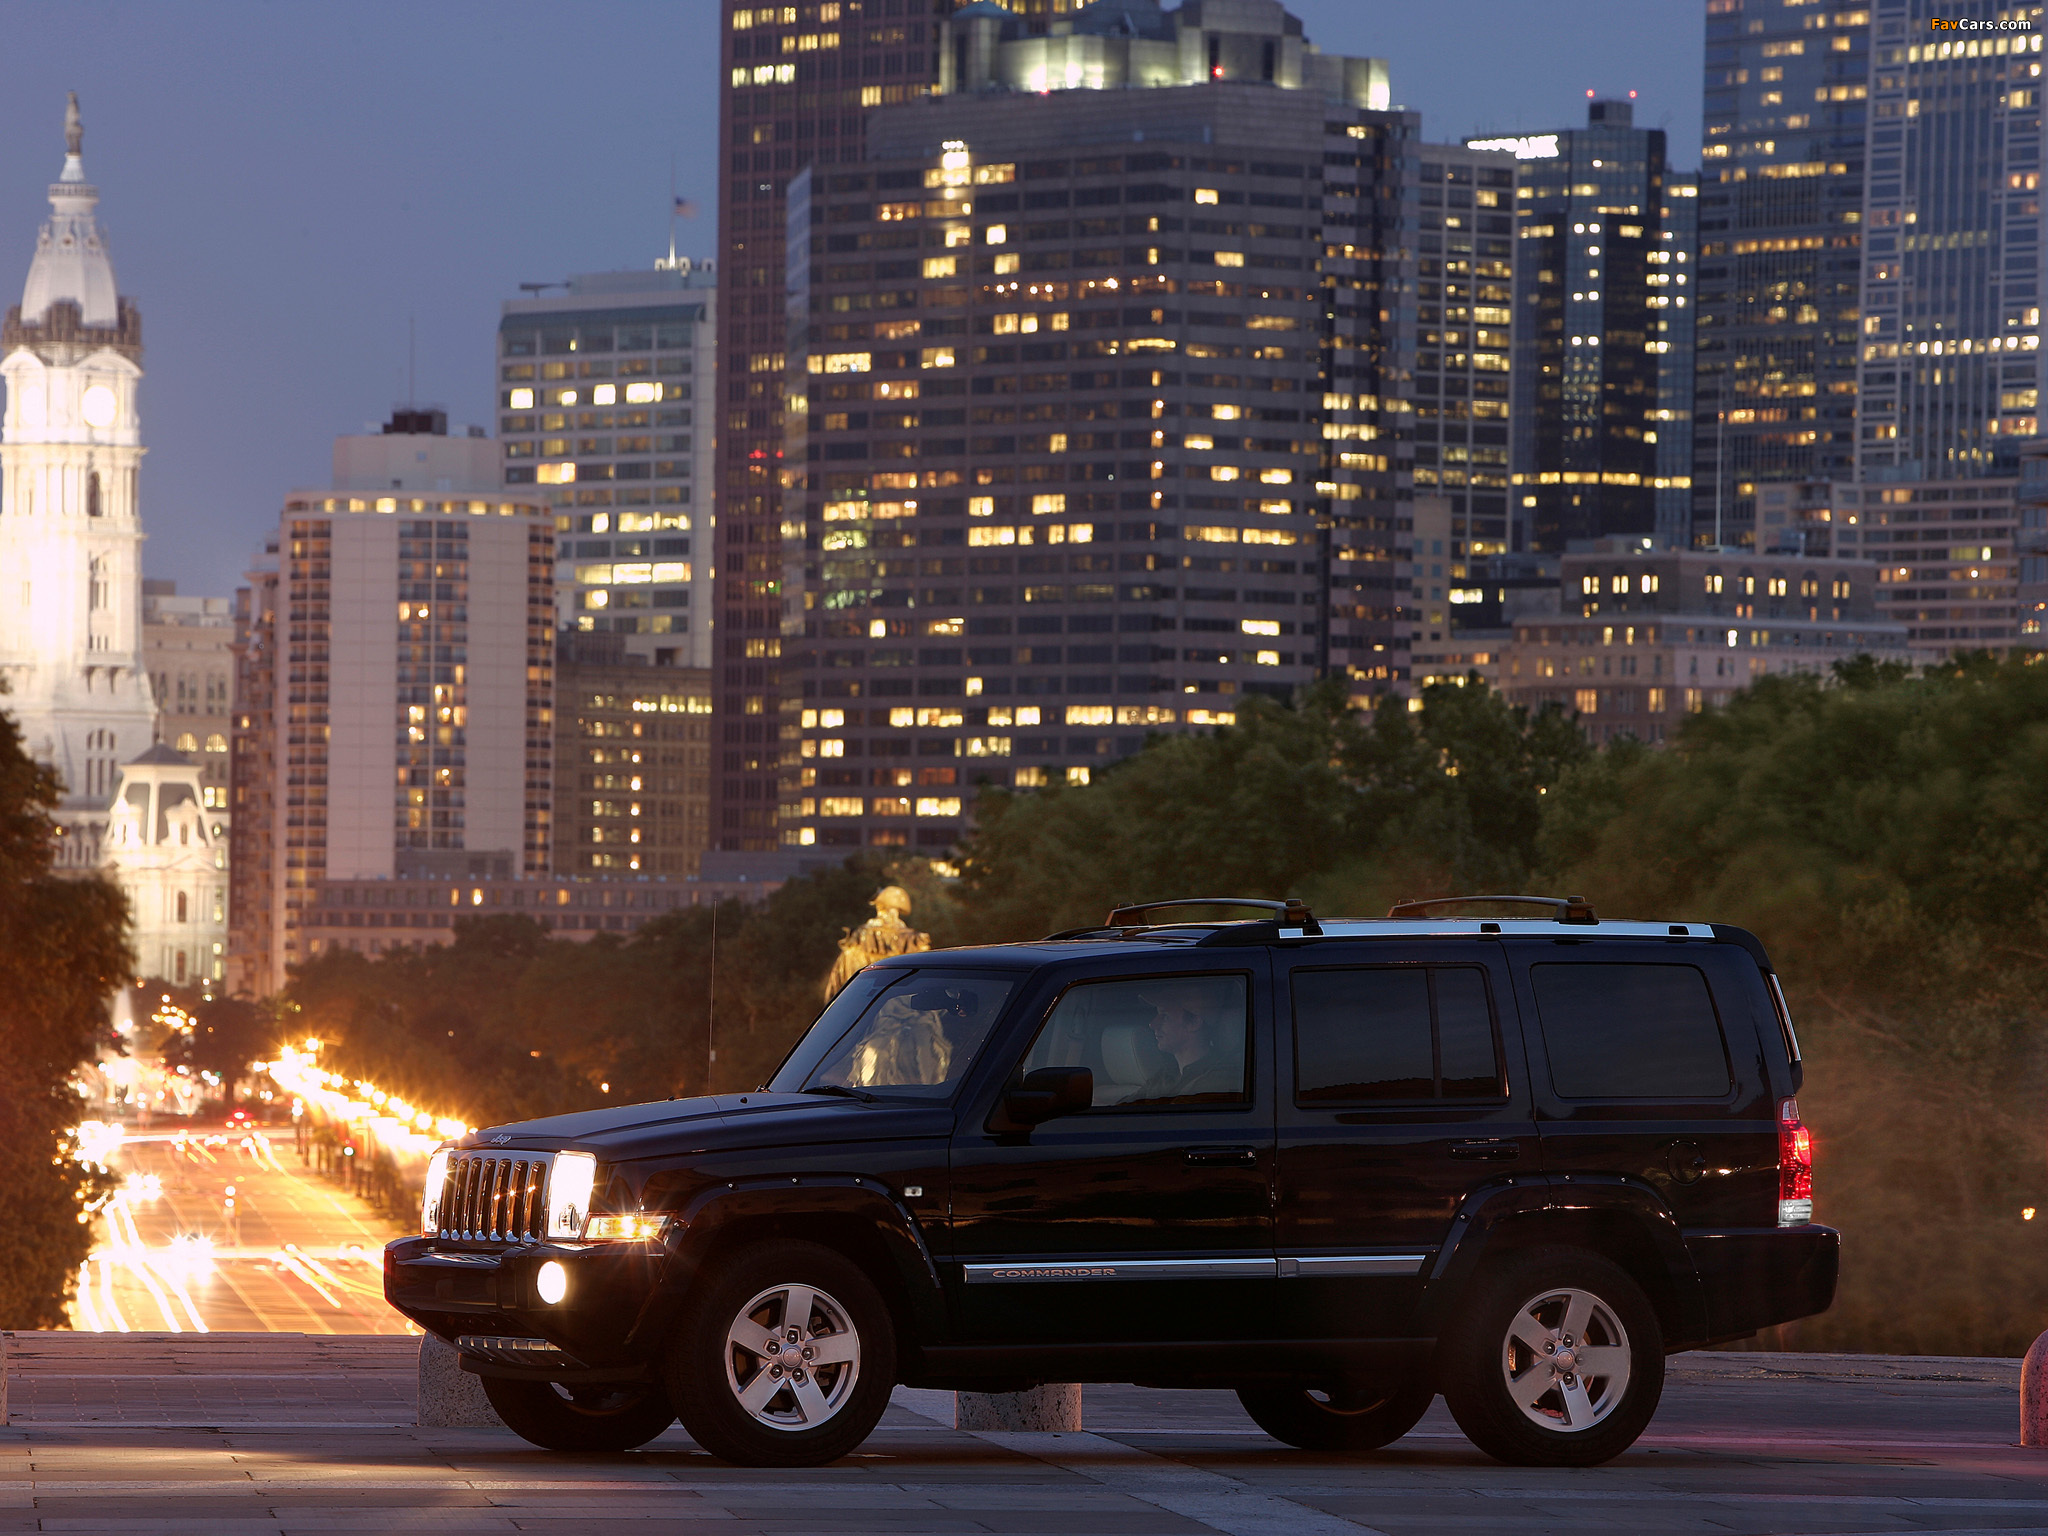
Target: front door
{"points": [[1403, 1087], [1146, 1217]]}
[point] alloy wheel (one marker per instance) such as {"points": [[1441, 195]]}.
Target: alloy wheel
{"points": [[792, 1357], [1566, 1360]]}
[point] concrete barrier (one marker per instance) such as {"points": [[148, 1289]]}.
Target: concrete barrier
{"points": [[2034, 1394], [1054, 1406], [451, 1398]]}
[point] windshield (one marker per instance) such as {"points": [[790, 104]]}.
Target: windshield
{"points": [[898, 1033]]}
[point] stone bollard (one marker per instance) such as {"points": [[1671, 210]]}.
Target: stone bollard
{"points": [[1054, 1406], [2034, 1394], [449, 1397]]}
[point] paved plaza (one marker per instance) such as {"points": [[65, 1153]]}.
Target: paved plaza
{"points": [[155, 1433]]}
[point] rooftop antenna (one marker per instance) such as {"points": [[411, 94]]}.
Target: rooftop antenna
{"points": [[537, 289], [412, 358]]}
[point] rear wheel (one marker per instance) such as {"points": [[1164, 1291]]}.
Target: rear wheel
{"points": [[603, 1417], [1319, 1420], [1556, 1360], [785, 1359]]}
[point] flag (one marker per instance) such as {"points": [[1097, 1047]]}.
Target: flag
{"points": [[685, 209]]}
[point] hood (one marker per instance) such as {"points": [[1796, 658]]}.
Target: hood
{"points": [[721, 1122]]}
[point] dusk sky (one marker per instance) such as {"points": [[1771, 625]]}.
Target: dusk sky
{"points": [[286, 186]]}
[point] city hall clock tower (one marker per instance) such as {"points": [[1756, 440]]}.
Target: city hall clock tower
{"points": [[70, 526]]}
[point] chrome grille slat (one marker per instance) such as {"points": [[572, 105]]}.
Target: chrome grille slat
{"points": [[494, 1197]]}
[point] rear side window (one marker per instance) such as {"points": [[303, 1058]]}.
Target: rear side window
{"points": [[1630, 1032], [1371, 1033]]}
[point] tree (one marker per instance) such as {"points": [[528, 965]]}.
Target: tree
{"points": [[63, 952], [220, 1035], [1887, 837]]}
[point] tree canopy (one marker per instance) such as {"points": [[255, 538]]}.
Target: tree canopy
{"points": [[63, 952]]}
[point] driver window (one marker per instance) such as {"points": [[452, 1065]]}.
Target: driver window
{"points": [[1157, 1042]]}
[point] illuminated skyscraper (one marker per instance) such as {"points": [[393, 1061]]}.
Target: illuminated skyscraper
{"points": [[1099, 417], [1780, 225]]}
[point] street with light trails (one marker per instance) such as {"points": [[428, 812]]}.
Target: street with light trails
{"points": [[227, 1231]]}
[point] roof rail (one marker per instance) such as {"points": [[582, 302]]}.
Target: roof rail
{"points": [[1564, 909], [1292, 913]]}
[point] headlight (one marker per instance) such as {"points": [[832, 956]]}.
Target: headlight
{"points": [[639, 1227], [430, 1201], [569, 1186]]}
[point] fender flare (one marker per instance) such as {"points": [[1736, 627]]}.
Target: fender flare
{"points": [[868, 1201], [1478, 1225]]}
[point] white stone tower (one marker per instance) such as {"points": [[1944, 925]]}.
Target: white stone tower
{"points": [[70, 526]]}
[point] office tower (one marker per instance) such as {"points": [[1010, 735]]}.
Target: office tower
{"points": [[408, 661], [1064, 416], [1648, 635], [255, 825], [1674, 310], [1780, 214], [2031, 548], [188, 651], [71, 538], [632, 761], [1950, 373], [1465, 319], [604, 406], [1591, 204], [795, 81]]}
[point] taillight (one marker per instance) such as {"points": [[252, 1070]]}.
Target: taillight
{"points": [[1795, 1167]]}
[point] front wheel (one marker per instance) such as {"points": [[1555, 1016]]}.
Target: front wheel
{"points": [[1318, 1420], [784, 1359], [580, 1418], [1555, 1360]]}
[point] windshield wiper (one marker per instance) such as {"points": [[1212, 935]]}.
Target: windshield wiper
{"points": [[839, 1091]]}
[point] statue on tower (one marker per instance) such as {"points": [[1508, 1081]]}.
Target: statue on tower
{"points": [[74, 128]]}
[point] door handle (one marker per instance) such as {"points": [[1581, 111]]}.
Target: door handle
{"points": [[1492, 1151], [1222, 1157]]}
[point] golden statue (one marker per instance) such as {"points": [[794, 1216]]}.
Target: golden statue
{"points": [[881, 935]]}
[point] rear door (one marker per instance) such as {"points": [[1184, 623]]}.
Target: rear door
{"points": [[1648, 1065], [1403, 1087]]}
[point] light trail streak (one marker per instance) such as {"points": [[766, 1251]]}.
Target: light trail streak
{"points": [[291, 1261], [92, 1315], [111, 1307]]}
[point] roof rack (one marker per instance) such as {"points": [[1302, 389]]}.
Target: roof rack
{"points": [[1291, 913], [1565, 909]]}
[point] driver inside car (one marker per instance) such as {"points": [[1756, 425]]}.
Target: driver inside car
{"points": [[1183, 1028]]}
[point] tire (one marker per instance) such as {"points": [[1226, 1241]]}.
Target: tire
{"points": [[1499, 1362], [725, 1375], [1315, 1420], [603, 1417]]}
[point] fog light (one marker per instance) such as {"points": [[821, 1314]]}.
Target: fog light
{"points": [[552, 1281]]}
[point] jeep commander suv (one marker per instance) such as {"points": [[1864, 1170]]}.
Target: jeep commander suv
{"points": [[1339, 1167]]}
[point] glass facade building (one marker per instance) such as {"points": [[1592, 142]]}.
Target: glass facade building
{"points": [[597, 392]]}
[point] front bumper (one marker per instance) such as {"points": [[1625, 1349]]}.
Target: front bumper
{"points": [[486, 1303], [1754, 1277]]}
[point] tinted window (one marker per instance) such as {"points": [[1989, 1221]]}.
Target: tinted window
{"points": [[1153, 1041], [894, 1032], [1413, 1032], [1630, 1031]]}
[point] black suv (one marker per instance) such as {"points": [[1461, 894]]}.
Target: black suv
{"points": [[1339, 1167]]}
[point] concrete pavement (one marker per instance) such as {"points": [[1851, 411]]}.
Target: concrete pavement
{"points": [[277, 1433]]}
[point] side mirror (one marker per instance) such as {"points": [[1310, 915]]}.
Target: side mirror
{"points": [[1047, 1094]]}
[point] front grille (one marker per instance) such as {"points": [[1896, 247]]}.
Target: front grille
{"points": [[495, 1197]]}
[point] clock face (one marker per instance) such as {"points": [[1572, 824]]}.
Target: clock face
{"points": [[98, 406]]}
